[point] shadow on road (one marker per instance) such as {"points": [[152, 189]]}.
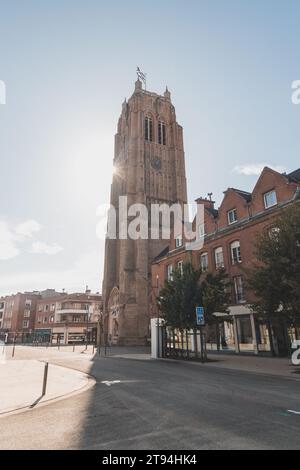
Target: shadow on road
{"points": [[139, 403]]}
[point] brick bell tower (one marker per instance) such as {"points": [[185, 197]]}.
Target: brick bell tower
{"points": [[150, 168]]}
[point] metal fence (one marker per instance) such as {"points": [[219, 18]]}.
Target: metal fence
{"points": [[45, 339], [183, 344]]}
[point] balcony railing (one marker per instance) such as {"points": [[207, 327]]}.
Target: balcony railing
{"points": [[71, 311]]}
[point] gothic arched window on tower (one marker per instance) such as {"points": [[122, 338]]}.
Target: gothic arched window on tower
{"points": [[148, 129], [161, 133]]}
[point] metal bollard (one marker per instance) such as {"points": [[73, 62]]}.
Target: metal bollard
{"points": [[45, 379], [14, 347], [73, 347]]}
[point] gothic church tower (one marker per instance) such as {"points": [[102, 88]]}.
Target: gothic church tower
{"points": [[150, 168]]}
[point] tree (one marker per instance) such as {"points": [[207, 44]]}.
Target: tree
{"points": [[184, 292], [216, 298], [275, 278], [178, 299]]}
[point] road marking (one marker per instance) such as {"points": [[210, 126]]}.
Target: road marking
{"points": [[294, 412], [113, 382], [110, 382]]}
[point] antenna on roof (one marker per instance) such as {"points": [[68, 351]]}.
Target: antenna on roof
{"points": [[210, 196]]}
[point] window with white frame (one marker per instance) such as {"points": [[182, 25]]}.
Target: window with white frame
{"points": [[26, 313], [235, 249], [180, 266], [51, 319], [161, 133], [170, 272], [219, 257], [204, 262], [201, 231], [28, 303], [178, 241], [148, 129], [52, 308], [270, 199], [25, 323], [232, 216], [239, 289]]}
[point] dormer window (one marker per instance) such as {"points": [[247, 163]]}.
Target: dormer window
{"points": [[161, 133], [232, 216], [270, 199], [148, 129]]}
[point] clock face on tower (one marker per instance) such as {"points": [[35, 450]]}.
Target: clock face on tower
{"points": [[156, 163]]}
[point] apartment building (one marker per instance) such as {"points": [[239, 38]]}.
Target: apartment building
{"points": [[229, 234], [69, 318]]}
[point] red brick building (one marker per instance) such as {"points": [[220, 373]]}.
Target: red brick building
{"points": [[50, 316], [18, 312], [229, 234]]}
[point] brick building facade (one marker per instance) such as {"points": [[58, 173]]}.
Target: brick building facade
{"points": [[229, 234], [68, 319], [18, 312], [50, 316]]}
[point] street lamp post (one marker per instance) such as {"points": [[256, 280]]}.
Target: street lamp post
{"points": [[99, 330]]}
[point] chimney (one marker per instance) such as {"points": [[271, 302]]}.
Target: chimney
{"points": [[87, 290], [208, 203]]}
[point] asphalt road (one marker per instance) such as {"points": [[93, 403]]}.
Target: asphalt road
{"points": [[164, 405]]}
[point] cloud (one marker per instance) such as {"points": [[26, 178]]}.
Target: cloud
{"points": [[8, 247], [42, 248], [11, 238], [86, 270], [255, 169], [28, 228]]}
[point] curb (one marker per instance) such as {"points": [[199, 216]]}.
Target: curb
{"points": [[91, 381]]}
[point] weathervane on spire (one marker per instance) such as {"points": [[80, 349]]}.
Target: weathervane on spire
{"points": [[142, 76]]}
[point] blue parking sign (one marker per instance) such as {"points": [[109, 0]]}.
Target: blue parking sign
{"points": [[200, 316]]}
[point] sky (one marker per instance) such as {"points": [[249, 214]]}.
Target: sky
{"points": [[68, 65]]}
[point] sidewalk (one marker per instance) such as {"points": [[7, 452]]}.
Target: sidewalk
{"points": [[282, 367], [21, 382]]}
